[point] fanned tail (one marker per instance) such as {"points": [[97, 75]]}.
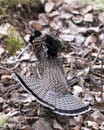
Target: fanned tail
{"points": [[63, 104]]}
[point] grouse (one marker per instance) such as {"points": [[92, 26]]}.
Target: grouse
{"points": [[51, 88]]}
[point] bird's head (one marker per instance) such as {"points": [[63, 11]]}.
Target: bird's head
{"points": [[47, 43]]}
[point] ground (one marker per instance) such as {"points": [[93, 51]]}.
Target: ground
{"points": [[80, 28]]}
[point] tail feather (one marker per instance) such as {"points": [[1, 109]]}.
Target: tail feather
{"points": [[63, 104], [69, 105]]}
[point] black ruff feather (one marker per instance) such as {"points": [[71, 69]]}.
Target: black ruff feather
{"points": [[53, 45], [35, 34]]}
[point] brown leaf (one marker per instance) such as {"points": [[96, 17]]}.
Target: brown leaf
{"points": [[81, 64], [56, 125], [36, 25], [6, 80], [58, 3], [99, 106]]}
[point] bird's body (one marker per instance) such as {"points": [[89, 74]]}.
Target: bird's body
{"points": [[51, 89], [55, 78]]}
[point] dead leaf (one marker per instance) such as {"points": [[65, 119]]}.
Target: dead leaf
{"points": [[90, 40], [77, 19], [2, 50], [86, 9], [11, 126], [58, 3], [99, 106], [68, 1], [43, 19], [56, 23], [56, 125], [102, 126], [1, 104], [74, 29], [67, 37], [92, 124], [97, 96], [1, 100], [70, 9], [26, 127], [22, 98], [93, 29], [79, 39], [98, 116], [4, 28], [77, 127], [77, 90], [66, 15], [54, 13], [36, 25], [80, 28], [101, 17], [49, 6], [88, 17]]}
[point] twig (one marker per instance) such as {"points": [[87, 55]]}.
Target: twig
{"points": [[24, 50], [2, 67], [20, 60], [94, 67], [102, 45], [97, 67]]}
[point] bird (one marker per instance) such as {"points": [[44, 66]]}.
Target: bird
{"points": [[51, 88]]}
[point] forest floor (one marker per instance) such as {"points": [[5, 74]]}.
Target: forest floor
{"points": [[80, 27]]}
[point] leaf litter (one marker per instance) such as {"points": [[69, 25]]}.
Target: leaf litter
{"points": [[81, 30]]}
